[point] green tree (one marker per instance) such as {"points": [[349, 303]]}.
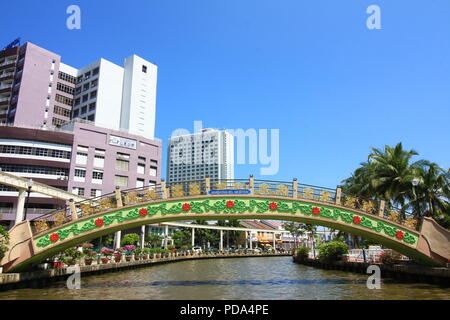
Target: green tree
{"points": [[153, 239], [130, 238]]}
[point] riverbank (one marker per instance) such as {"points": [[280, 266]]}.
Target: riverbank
{"points": [[401, 272], [41, 278]]}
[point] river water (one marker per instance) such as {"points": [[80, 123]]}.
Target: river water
{"points": [[238, 278]]}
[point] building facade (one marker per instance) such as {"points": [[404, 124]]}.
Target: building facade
{"points": [[80, 157], [38, 90], [208, 153], [41, 155], [103, 159]]}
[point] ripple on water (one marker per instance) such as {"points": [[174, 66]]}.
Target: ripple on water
{"points": [[249, 278]]}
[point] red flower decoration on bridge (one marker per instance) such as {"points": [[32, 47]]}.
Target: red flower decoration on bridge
{"points": [[316, 210], [230, 204], [356, 220], [399, 235], [186, 207], [273, 206], [143, 212], [99, 222], [54, 237]]}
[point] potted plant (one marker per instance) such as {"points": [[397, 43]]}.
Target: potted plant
{"points": [[128, 251], [118, 255], [88, 252], [107, 253], [145, 252], [71, 256], [137, 253]]}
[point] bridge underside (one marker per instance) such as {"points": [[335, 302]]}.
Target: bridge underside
{"points": [[400, 238]]}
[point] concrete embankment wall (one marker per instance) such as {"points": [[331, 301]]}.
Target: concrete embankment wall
{"points": [[41, 278], [400, 272]]}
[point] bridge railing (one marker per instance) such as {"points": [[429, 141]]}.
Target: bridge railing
{"points": [[292, 190]]}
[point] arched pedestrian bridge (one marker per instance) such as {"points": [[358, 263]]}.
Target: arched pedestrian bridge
{"points": [[33, 241]]}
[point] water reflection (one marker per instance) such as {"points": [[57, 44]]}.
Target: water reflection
{"points": [[245, 278]]}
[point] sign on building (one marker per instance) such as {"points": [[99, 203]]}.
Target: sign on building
{"points": [[122, 142]]}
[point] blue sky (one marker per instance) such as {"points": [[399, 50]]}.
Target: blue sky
{"points": [[311, 69]]}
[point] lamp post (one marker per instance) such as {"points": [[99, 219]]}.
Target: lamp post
{"points": [[29, 185]]}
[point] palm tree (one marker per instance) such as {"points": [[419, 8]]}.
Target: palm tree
{"points": [[430, 197], [392, 173]]}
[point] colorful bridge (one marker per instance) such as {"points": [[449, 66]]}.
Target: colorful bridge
{"points": [[33, 241]]}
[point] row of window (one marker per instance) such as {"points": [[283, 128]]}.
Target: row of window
{"points": [[64, 88], [61, 111], [58, 122], [42, 152], [35, 169], [88, 74], [64, 100], [66, 77]]}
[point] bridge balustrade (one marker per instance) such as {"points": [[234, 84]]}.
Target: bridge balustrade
{"points": [[163, 191]]}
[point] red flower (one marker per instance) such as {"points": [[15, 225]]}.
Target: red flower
{"points": [[399, 235], [316, 210], [356, 220], [186, 207], [99, 222], [143, 212], [230, 204], [54, 237], [273, 206]]}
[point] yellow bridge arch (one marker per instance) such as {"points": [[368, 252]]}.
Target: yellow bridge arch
{"points": [[32, 242]]}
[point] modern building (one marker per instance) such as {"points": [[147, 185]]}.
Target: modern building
{"points": [[208, 153], [79, 157], [38, 90], [104, 158], [41, 155]]}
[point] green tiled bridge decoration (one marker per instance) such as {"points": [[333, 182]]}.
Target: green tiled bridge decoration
{"points": [[34, 241]]}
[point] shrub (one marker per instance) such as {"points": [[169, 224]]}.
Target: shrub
{"points": [[332, 251], [302, 253], [130, 238], [4, 241]]}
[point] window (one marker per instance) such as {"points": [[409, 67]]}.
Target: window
{"points": [[93, 94], [81, 158], [99, 151], [80, 174], [153, 171], [121, 181], [95, 71], [79, 191], [64, 100], [61, 111], [141, 159], [97, 177], [92, 106], [64, 88], [140, 183], [96, 193], [144, 69], [66, 77], [141, 168], [58, 122], [99, 161], [123, 155], [122, 165]]}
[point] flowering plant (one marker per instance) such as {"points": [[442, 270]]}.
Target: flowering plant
{"points": [[107, 251], [129, 249], [87, 247]]}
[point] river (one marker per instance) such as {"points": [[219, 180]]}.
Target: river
{"points": [[238, 278]]}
